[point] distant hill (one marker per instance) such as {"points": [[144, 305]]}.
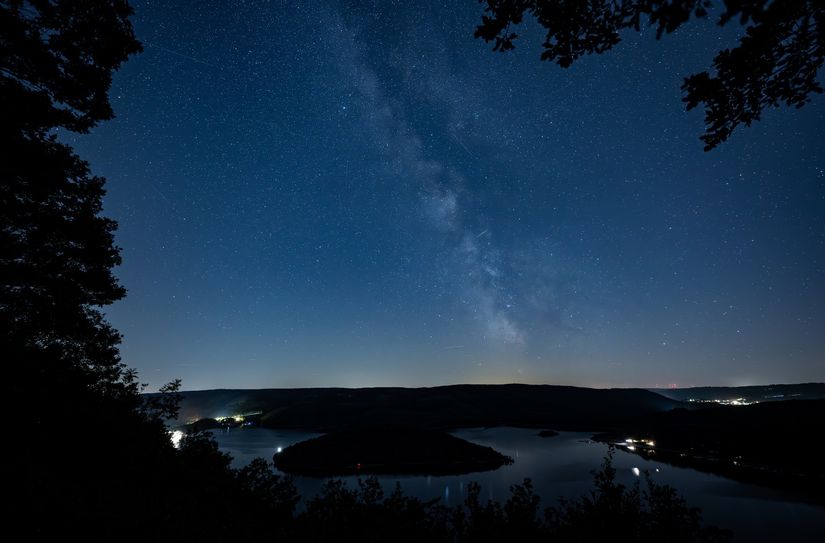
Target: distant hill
{"points": [[758, 393], [446, 407], [773, 443]]}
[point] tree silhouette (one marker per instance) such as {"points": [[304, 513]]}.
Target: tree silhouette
{"points": [[56, 251], [57, 255], [776, 61], [96, 461], [57, 58]]}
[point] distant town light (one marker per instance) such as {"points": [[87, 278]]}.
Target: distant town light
{"points": [[280, 449], [636, 472]]}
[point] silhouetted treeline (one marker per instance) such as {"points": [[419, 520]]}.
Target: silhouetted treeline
{"points": [[256, 504], [643, 512]]}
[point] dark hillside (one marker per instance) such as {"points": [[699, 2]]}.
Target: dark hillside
{"points": [[326, 409]]}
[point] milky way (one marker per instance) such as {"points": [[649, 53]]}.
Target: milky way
{"points": [[357, 194]]}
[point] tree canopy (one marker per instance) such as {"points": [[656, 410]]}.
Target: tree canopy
{"points": [[57, 256], [776, 61], [56, 251], [57, 58]]}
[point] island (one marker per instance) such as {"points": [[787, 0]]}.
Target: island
{"points": [[388, 450], [548, 433]]}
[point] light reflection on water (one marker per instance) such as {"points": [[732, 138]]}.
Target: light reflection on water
{"points": [[561, 466]]}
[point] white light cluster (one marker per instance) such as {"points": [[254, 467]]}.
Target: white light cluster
{"points": [[176, 436]]}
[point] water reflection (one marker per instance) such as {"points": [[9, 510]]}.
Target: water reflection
{"points": [[562, 466], [247, 443]]}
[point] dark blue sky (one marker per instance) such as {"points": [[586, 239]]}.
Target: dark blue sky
{"points": [[332, 193]]}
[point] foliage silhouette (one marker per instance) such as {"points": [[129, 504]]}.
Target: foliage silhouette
{"points": [[95, 449], [656, 513], [611, 510], [58, 57], [776, 61], [56, 252]]}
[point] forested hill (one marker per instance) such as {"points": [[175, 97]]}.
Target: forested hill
{"points": [[560, 407], [751, 394]]}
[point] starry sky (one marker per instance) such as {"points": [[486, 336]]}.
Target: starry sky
{"points": [[341, 193]]}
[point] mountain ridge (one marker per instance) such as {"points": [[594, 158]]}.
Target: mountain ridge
{"points": [[443, 407]]}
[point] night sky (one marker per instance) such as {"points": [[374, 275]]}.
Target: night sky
{"points": [[362, 194]]}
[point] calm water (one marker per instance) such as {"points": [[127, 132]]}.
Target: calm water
{"points": [[561, 466]]}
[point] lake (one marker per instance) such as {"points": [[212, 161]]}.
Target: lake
{"points": [[561, 466]]}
